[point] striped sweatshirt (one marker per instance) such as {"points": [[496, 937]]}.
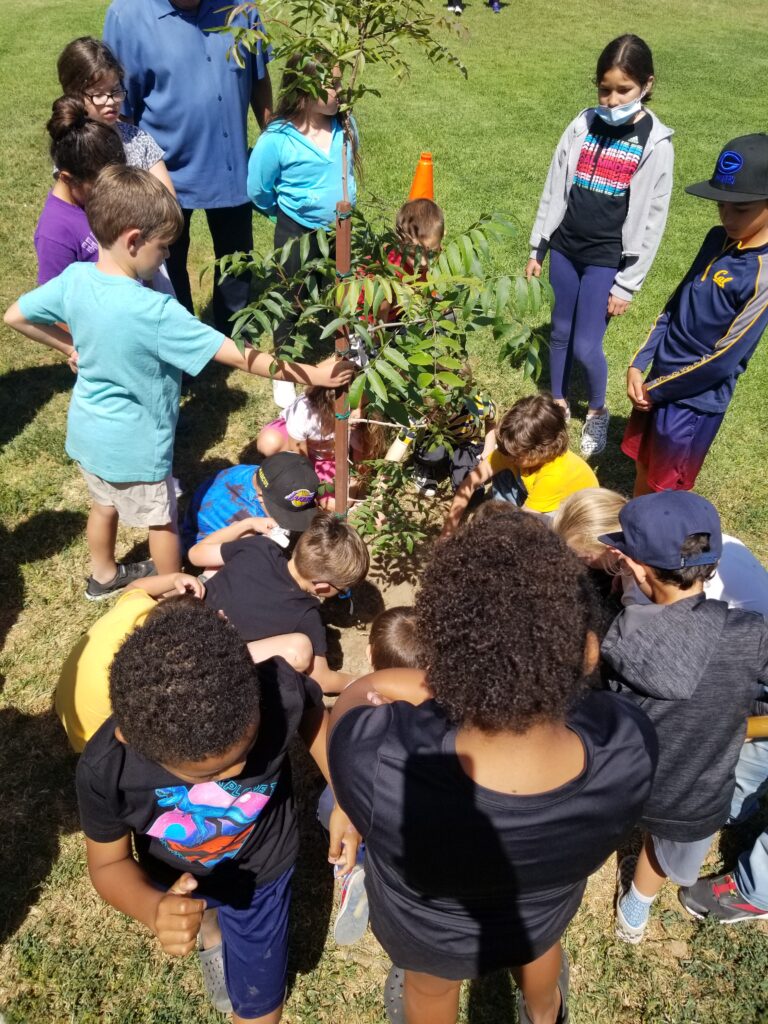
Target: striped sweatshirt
{"points": [[707, 332]]}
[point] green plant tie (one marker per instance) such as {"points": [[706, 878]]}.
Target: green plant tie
{"points": [[343, 415], [344, 216], [347, 273]]}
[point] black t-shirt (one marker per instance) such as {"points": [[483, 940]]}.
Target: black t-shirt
{"points": [[234, 835], [496, 876], [590, 231], [259, 596]]}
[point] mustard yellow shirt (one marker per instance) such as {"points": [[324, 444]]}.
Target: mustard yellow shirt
{"points": [[82, 694], [550, 485]]}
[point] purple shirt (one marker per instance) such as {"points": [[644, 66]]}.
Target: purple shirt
{"points": [[62, 236]]}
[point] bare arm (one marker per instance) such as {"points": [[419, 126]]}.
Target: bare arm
{"points": [[391, 684], [160, 171], [329, 680], [173, 917], [480, 475], [207, 552], [168, 584], [330, 373], [261, 99], [345, 838], [47, 334]]}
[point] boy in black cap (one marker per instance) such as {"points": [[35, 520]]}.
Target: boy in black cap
{"points": [[283, 488], [707, 332], [694, 666], [274, 601]]}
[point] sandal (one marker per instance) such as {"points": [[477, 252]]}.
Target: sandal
{"points": [[562, 984], [214, 981], [393, 995]]}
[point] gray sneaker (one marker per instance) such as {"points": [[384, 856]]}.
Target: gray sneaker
{"points": [[126, 573], [594, 433]]}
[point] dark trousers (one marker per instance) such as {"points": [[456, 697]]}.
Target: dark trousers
{"points": [[231, 231]]}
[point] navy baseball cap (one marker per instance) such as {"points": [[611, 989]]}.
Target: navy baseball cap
{"points": [[741, 172], [654, 528], [289, 489]]}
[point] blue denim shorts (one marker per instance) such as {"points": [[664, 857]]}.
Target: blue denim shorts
{"points": [[255, 947]]}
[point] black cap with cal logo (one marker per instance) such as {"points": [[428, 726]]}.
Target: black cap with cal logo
{"points": [[289, 489], [741, 172]]}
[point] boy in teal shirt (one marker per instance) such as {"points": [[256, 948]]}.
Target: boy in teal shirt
{"points": [[129, 346]]}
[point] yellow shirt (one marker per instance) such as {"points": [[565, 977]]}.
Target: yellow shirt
{"points": [[550, 485], [82, 694]]}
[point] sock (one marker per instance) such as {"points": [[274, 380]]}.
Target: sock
{"points": [[635, 907]]}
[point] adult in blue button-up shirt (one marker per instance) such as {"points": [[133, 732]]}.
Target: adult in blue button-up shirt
{"points": [[184, 91]]}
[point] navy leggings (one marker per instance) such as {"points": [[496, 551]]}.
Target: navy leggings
{"points": [[579, 321]]}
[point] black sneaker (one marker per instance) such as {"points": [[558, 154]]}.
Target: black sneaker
{"points": [[719, 898], [126, 573]]}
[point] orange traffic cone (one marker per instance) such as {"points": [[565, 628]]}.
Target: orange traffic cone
{"points": [[423, 186]]}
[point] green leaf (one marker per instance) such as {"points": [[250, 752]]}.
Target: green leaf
{"points": [[394, 355], [420, 359], [424, 380], [468, 252], [451, 362], [332, 327], [286, 251], [503, 292], [322, 243], [376, 383], [480, 241], [304, 248], [356, 389], [390, 373], [450, 379], [521, 295], [454, 259], [535, 291]]}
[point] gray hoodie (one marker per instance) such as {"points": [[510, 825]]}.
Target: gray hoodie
{"points": [[694, 668], [649, 193]]}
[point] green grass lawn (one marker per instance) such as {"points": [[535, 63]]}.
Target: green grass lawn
{"points": [[66, 957]]}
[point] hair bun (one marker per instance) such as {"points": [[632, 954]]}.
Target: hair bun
{"points": [[67, 114]]}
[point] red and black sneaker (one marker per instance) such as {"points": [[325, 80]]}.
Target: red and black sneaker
{"points": [[719, 898]]}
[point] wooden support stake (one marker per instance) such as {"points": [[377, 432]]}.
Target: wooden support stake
{"points": [[341, 405]]}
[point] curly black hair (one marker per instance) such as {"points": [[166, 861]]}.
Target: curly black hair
{"points": [[183, 686], [503, 615]]}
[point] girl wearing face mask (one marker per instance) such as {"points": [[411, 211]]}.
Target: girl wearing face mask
{"points": [[601, 215]]}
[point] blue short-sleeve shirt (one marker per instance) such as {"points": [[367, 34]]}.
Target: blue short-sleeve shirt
{"points": [[132, 344], [187, 94]]}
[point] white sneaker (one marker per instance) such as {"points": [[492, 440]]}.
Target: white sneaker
{"points": [[352, 920], [283, 393], [594, 433], [624, 930]]}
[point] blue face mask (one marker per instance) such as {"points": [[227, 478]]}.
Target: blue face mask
{"points": [[620, 115]]}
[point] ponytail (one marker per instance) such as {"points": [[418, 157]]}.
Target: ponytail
{"points": [[79, 145]]}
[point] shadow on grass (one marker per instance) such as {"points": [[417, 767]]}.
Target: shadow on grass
{"points": [[24, 392], [39, 807], [203, 420], [37, 538]]}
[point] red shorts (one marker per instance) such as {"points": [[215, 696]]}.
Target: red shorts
{"points": [[671, 441]]}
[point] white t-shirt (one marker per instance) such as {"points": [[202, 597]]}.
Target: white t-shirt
{"points": [[303, 423], [741, 581]]}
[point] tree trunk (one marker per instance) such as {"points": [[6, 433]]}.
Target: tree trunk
{"points": [[341, 433]]}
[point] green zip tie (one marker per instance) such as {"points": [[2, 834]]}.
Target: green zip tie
{"points": [[347, 273], [344, 216], [343, 415]]}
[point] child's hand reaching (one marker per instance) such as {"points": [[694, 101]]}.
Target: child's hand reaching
{"points": [[345, 839], [261, 524], [183, 583], [178, 917], [333, 372]]}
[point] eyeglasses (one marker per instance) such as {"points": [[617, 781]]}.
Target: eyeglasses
{"points": [[100, 99]]}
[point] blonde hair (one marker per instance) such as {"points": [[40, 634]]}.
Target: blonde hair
{"points": [[331, 551], [419, 221], [585, 515], [127, 197]]}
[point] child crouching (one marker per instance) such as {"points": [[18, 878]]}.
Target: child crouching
{"points": [[192, 769]]}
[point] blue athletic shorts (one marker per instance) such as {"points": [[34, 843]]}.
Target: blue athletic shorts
{"points": [[255, 947]]}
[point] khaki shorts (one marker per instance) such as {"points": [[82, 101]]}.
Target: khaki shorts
{"points": [[137, 504]]}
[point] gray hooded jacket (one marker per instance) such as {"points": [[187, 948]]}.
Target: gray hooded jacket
{"points": [[694, 667], [649, 193]]}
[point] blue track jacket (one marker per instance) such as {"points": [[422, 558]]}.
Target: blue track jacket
{"points": [[710, 327]]}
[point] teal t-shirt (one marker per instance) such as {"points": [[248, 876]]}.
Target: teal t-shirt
{"points": [[132, 345]]}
